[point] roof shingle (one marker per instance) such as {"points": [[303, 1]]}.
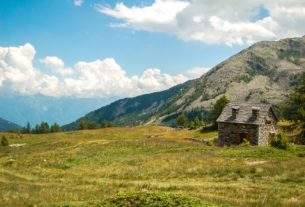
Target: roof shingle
{"points": [[244, 115]]}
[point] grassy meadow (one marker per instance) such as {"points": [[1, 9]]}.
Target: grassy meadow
{"points": [[67, 167]]}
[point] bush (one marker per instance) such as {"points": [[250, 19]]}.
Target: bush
{"points": [[106, 124], [152, 200], [210, 143], [4, 141], [280, 141], [86, 124], [245, 143], [182, 121], [146, 200], [192, 125]]}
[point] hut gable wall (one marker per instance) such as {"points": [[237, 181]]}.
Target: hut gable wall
{"points": [[267, 129]]}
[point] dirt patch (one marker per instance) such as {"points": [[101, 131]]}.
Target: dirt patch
{"points": [[99, 141], [17, 145], [255, 162]]}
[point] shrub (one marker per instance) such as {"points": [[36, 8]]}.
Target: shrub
{"points": [[245, 143], [182, 121], [280, 141], [106, 124], [86, 124], [192, 125], [210, 143], [152, 200], [146, 200], [4, 141]]}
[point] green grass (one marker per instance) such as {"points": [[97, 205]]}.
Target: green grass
{"points": [[143, 200], [88, 166]]}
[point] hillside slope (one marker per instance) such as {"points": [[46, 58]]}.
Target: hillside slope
{"points": [[261, 73], [7, 125], [134, 111]]}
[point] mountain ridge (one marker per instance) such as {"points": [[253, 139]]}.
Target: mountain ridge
{"points": [[262, 73], [7, 125]]}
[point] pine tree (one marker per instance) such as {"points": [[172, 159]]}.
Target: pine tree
{"points": [[92, 125], [295, 107], [182, 121], [55, 128], [202, 123], [28, 128], [44, 126], [106, 124], [197, 123], [218, 108], [83, 124], [36, 130], [192, 125], [86, 124]]}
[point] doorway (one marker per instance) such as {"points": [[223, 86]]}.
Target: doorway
{"points": [[241, 137], [271, 137]]}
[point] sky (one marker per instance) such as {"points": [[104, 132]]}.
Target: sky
{"points": [[104, 49]]}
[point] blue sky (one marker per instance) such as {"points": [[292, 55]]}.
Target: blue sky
{"points": [[60, 59], [59, 28], [127, 48]]}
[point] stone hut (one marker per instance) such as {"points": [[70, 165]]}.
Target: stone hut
{"points": [[253, 122]]}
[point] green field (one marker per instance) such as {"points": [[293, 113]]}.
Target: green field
{"points": [[77, 166]]}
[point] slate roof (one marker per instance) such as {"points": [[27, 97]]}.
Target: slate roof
{"points": [[244, 115]]}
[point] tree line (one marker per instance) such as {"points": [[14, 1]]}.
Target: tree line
{"points": [[42, 128], [87, 124], [201, 118]]}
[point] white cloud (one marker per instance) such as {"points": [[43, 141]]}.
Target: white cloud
{"points": [[100, 78], [152, 79], [78, 2], [161, 12], [56, 65], [197, 72], [156, 17], [232, 22]]}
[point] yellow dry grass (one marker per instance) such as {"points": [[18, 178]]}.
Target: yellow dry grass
{"points": [[95, 164]]}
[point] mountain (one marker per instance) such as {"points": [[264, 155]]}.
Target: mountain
{"points": [[37, 108], [7, 125], [133, 111], [262, 73]]}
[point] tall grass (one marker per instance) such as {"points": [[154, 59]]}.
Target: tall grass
{"points": [[96, 164]]}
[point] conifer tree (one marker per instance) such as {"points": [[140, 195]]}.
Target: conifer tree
{"points": [[182, 121], [295, 108], [55, 128], [218, 108]]}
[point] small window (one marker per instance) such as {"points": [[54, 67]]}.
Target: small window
{"points": [[268, 122]]}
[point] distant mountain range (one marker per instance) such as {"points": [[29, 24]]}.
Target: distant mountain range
{"points": [[262, 73], [7, 125], [37, 108]]}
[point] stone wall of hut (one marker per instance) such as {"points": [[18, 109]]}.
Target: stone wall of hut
{"points": [[227, 133], [267, 130]]}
